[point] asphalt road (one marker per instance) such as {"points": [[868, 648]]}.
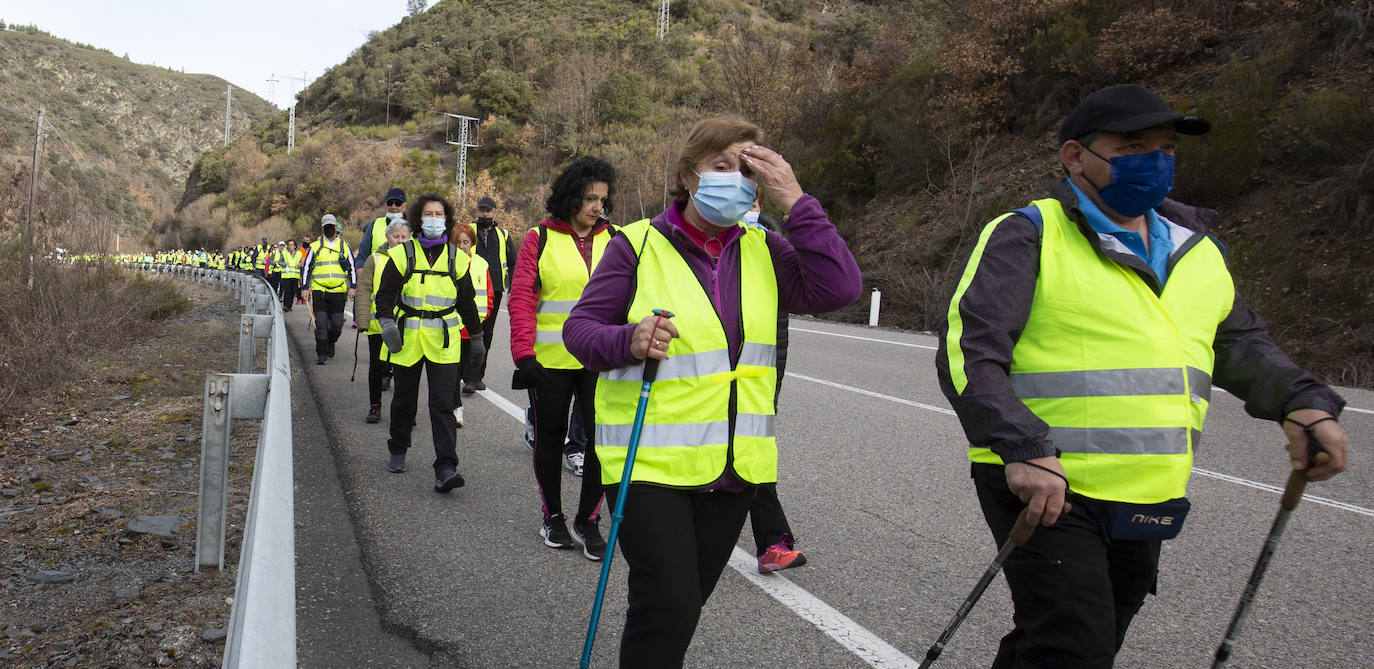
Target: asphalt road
{"points": [[875, 483]]}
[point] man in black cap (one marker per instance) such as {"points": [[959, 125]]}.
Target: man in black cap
{"points": [[1079, 352], [374, 237], [494, 245]]}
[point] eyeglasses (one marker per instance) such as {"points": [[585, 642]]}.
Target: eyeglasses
{"points": [[394, 203]]}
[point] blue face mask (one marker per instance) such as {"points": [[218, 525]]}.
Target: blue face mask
{"points": [[722, 198], [751, 218], [1139, 182], [432, 226]]}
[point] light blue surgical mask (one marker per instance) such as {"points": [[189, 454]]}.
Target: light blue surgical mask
{"points": [[722, 198], [432, 226], [751, 219], [393, 215]]}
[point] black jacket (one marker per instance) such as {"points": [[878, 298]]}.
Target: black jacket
{"points": [[996, 305]]}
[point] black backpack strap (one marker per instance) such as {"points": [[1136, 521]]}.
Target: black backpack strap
{"points": [[410, 262]]}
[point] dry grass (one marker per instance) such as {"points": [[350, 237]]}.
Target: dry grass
{"points": [[71, 312]]}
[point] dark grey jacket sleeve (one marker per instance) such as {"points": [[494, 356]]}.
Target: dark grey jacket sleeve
{"points": [[985, 318], [1251, 366]]}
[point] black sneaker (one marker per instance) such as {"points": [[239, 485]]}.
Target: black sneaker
{"points": [[320, 360], [447, 479], [555, 532], [374, 413], [588, 534], [469, 390], [397, 463], [479, 386], [331, 349]]}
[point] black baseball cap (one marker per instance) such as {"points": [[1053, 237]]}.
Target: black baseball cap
{"points": [[486, 203], [1127, 108]]}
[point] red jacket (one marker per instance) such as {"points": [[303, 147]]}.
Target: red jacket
{"points": [[522, 303]]}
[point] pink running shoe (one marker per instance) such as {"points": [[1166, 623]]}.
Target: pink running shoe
{"points": [[781, 556]]}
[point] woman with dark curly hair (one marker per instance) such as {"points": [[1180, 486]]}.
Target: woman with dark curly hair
{"points": [[554, 263], [424, 298]]}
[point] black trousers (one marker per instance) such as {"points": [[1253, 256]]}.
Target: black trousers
{"points": [[1074, 591], [676, 543], [551, 401], [290, 288], [767, 518], [443, 385], [488, 329], [329, 318], [377, 369]]}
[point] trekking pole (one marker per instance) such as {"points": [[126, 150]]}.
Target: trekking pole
{"points": [[1020, 533], [1292, 493], [310, 308], [356, 335], [618, 513]]}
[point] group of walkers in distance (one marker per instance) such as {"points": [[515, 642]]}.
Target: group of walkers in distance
{"points": [[1079, 351]]}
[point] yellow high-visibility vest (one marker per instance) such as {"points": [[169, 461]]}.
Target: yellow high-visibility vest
{"points": [[1121, 375], [703, 414], [427, 312], [479, 270], [562, 276], [326, 272]]}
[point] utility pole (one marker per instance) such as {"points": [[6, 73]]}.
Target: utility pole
{"points": [[388, 96], [464, 142], [291, 123], [272, 87], [662, 18], [228, 102], [33, 186]]}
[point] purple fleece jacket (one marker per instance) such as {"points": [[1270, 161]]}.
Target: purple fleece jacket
{"points": [[815, 270]]}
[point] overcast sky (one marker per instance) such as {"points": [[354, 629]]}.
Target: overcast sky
{"points": [[243, 41]]}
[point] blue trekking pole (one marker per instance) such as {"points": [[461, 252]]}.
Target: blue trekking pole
{"points": [[618, 513]]}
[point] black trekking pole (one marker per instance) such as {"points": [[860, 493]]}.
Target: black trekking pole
{"points": [[1292, 494], [1019, 535], [356, 335]]}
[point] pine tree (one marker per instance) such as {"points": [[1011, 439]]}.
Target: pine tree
{"points": [[414, 7]]}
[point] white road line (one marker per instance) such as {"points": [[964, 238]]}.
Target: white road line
{"points": [[1315, 499], [504, 404], [880, 341], [836, 625], [1337, 504], [870, 393]]}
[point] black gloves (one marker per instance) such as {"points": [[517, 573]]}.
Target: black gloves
{"points": [[528, 373]]}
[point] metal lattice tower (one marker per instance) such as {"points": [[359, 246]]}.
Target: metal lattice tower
{"points": [[464, 142], [228, 102], [291, 123], [662, 18]]}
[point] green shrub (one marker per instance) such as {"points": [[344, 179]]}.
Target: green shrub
{"points": [[622, 97]]}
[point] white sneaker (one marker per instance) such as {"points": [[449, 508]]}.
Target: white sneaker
{"points": [[573, 463], [458, 414]]}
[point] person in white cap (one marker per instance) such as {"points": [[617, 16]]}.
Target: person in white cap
{"points": [[329, 281]]}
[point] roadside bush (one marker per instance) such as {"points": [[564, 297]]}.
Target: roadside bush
{"points": [[623, 97]]}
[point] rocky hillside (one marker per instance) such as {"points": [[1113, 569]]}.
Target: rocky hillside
{"points": [[914, 122], [124, 135]]}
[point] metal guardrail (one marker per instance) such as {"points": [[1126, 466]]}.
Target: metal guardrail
{"points": [[262, 620]]}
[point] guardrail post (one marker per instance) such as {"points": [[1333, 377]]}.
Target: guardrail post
{"points": [[227, 397], [873, 308]]}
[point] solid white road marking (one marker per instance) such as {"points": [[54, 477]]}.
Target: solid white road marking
{"points": [[880, 341], [836, 625], [1336, 504]]}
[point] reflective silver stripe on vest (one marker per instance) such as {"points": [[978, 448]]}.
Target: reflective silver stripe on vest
{"points": [[548, 336], [1200, 383], [672, 434], [1121, 440], [481, 292], [682, 365], [428, 301], [1098, 383], [436, 323], [753, 425], [758, 355], [556, 306]]}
